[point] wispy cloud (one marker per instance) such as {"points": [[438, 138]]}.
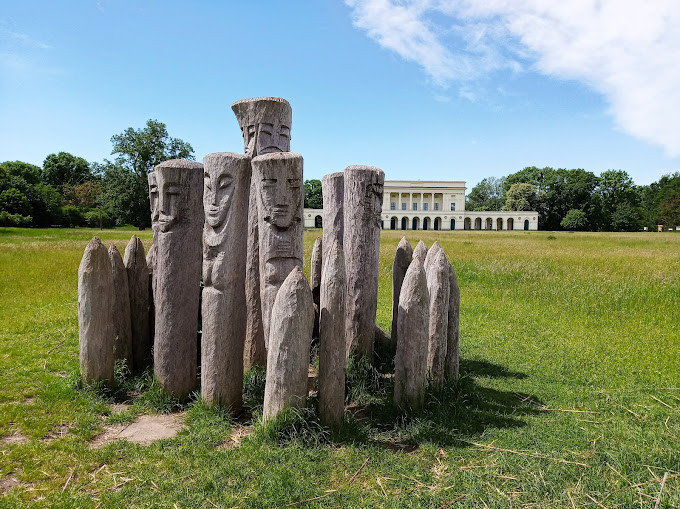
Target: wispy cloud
{"points": [[22, 55], [625, 49]]}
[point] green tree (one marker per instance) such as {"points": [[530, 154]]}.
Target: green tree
{"points": [[626, 218], [125, 180], [15, 202], [575, 220], [65, 169], [615, 189], [313, 195], [35, 198], [489, 194], [521, 196]]}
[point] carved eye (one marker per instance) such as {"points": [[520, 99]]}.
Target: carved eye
{"points": [[266, 128], [269, 182], [172, 189], [294, 183], [153, 189], [206, 181], [226, 181], [285, 131]]}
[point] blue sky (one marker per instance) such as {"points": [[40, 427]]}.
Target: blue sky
{"points": [[424, 89]]}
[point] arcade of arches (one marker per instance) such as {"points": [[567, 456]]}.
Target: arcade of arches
{"points": [[435, 205]]}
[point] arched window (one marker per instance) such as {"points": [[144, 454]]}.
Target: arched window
{"points": [[499, 224], [318, 222], [393, 223], [426, 223], [415, 223], [436, 223], [453, 224], [526, 224], [404, 223]]}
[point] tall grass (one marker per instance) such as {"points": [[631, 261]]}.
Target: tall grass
{"points": [[569, 394]]}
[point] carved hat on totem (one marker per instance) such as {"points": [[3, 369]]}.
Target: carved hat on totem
{"points": [[262, 109]]}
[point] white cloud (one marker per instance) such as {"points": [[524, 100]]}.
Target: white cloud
{"points": [[625, 49]]}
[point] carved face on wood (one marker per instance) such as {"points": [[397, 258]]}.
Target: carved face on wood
{"points": [[281, 195], [218, 187], [373, 199], [265, 124], [153, 196], [266, 137], [166, 196]]}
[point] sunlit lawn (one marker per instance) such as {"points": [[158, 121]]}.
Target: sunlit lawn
{"points": [[570, 394]]}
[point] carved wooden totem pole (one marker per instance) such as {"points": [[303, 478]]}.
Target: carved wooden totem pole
{"points": [[265, 124], [178, 228], [363, 196], [226, 187], [278, 177]]}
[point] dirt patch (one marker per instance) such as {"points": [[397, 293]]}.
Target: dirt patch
{"points": [[144, 430], [29, 400], [7, 483], [14, 438], [236, 436]]}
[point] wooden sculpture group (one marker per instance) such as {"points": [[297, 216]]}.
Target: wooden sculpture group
{"points": [[236, 221]]}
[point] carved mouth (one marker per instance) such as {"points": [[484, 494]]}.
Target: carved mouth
{"points": [[270, 149]]}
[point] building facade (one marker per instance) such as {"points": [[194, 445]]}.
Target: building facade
{"points": [[435, 205]]}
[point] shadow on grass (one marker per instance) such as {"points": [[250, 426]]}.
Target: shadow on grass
{"points": [[452, 416]]}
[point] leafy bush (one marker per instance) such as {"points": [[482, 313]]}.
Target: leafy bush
{"points": [[7, 219], [575, 220], [72, 216], [98, 219], [15, 202]]}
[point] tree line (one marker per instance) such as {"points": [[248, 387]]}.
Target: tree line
{"points": [[69, 191], [580, 200]]}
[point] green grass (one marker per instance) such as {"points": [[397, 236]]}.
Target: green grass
{"points": [[569, 395]]}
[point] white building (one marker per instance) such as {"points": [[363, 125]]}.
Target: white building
{"points": [[435, 205]]}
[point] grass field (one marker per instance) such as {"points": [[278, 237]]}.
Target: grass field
{"points": [[569, 396]]}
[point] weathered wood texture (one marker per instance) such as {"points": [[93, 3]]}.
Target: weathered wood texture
{"points": [[410, 365], [280, 194], [122, 347], [332, 337], [225, 204], [420, 251], [292, 320], [95, 314], [363, 196], [275, 115], [255, 353], [315, 273], [402, 259], [438, 287], [333, 192], [177, 274], [138, 286]]}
